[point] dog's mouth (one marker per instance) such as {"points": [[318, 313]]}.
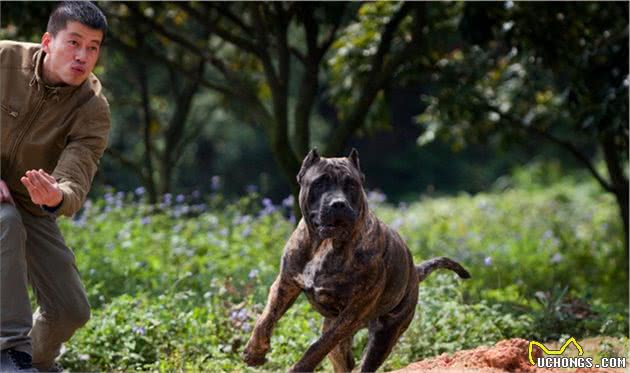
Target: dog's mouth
{"points": [[332, 228]]}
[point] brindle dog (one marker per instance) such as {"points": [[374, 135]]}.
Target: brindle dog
{"points": [[353, 269]]}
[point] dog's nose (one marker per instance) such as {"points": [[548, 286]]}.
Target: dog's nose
{"points": [[338, 205]]}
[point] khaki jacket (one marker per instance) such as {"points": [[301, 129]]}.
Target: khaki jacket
{"points": [[62, 130]]}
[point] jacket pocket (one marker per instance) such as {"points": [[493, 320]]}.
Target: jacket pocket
{"points": [[10, 112]]}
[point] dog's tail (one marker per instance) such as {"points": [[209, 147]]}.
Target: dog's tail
{"points": [[425, 268]]}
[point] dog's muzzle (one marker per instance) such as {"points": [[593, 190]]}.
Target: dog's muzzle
{"points": [[336, 218]]}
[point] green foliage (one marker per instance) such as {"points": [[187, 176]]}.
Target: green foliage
{"points": [[178, 285], [557, 74], [351, 61], [527, 239], [444, 322]]}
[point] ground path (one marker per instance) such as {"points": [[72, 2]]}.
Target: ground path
{"points": [[505, 356]]}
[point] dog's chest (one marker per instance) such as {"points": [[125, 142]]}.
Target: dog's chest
{"points": [[328, 282]]}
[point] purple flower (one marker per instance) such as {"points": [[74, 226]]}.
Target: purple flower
{"points": [[556, 258], [138, 330], [487, 261], [109, 198], [146, 220], [239, 315], [168, 197], [376, 196], [288, 202], [196, 194], [180, 198], [215, 182], [269, 208], [140, 191], [397, 223], [246, 327], [247, 231], [252, 274], [242, 219]]}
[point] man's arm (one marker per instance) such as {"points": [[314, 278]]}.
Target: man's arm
{"points": [[79, 160]]}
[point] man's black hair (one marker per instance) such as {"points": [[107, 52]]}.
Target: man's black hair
{"points": [[78, 11]]}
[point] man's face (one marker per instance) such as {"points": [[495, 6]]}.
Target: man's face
{"points": [[71, 54]]}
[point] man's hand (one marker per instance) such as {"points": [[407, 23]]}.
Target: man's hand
{"points": [[5, 194], [42, 188]]}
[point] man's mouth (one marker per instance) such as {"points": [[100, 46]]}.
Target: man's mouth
{"points": [[78, 69]]}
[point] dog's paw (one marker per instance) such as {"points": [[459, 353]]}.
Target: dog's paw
{"points": [[253, 358]]}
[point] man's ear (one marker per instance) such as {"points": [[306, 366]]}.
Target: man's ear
{"points": [[311, 158], [46, 39]]}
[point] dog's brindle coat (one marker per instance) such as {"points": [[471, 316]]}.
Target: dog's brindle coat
{"points": [[353, 269]]}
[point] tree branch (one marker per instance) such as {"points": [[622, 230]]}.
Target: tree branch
{"points": [[388, 35], [261, 30], [231, 16], [212, 59], [378, 76], [213, 28], [146, 108], [517, 123], [148, 54]]}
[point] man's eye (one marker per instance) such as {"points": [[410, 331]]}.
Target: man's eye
{"points": [[72, 42]]}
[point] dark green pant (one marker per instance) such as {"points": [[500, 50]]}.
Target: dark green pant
{"points": [[33, 250]]}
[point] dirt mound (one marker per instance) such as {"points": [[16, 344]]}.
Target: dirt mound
{"points": [[506, 356]]}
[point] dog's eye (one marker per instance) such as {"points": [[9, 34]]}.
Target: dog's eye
{"points": [[320, 183], [350, 185]]}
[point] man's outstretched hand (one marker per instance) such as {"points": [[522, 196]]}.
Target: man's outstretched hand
{"points": [[42, 188], [5, 194]]}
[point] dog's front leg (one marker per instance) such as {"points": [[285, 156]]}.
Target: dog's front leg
{"points": [[349, 321], [282, 294]]}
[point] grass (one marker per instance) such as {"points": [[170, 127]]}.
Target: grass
{"points": [[178, 286]]}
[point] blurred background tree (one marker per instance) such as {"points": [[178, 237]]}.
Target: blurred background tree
{"points": [[556, 73], [232, 95]]}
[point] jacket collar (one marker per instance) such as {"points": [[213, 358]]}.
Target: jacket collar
{"points": [[38, 78]]}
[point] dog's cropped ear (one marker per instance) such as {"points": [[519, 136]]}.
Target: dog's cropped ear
{"points": [[354, 159], [311, 158]]}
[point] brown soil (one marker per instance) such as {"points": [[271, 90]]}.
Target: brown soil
{"points": [[505, 356]]}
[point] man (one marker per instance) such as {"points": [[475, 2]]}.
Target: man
{"points": [[54, 127]]}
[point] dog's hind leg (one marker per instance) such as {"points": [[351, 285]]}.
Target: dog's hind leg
{"points": [[385, 331], [341, 356]]}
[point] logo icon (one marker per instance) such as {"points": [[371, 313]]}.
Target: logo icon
{"points": [[553, 352]]}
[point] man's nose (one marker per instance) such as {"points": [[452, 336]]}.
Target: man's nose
{"points": [[80, 55]]}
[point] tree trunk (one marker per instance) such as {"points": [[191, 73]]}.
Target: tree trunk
{"points": [[622, 201], [619, 186], [148, 142]]}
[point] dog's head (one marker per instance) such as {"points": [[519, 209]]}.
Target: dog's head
{"points": [[331, 194]]}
